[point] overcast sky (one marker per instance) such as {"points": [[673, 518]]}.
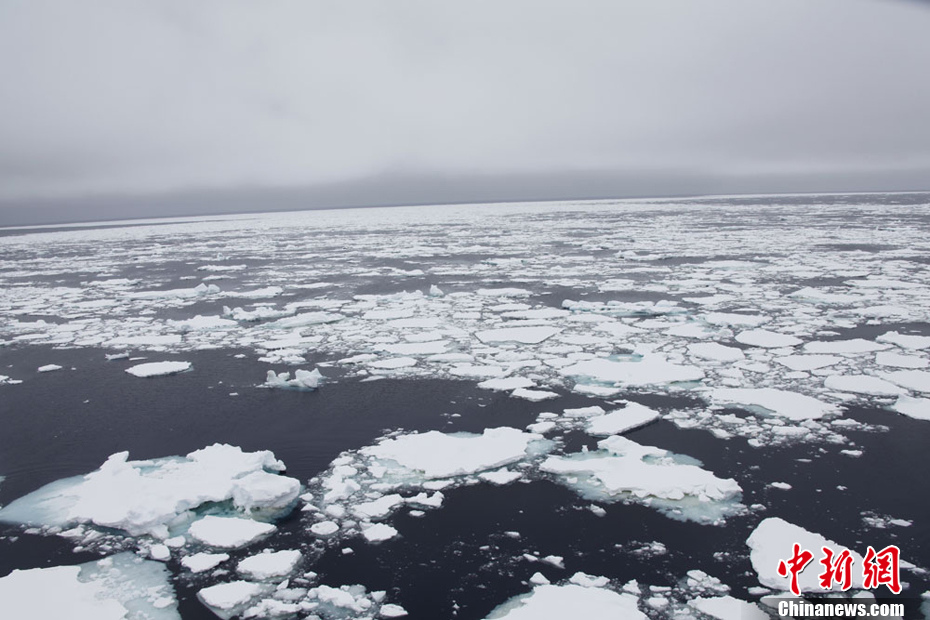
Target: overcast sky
{"points": [[142, 96]]}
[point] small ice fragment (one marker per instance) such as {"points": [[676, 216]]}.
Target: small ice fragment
{"points": [[390, 610], [200, 562], [324, 528], [49, 368], [265, 566], [784, 486], [378, 532]]}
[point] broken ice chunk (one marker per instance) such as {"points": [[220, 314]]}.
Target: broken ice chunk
{"points": [[303, 379]]}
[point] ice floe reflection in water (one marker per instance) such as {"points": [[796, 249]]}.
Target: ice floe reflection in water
{"points": [[465, 448]]}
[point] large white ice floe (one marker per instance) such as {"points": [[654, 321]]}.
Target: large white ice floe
{"points": [[303, 379], [200, 322], [623, 470], [634, 372], [782, 403], [159, 497], [715, 352], [553, 602], [158, 369], [856, 345], [773, 541], [119, 587]]}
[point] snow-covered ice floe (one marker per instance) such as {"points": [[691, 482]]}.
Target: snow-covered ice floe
{"points": [[773, 541], [623, 470], [790, 405], [644, 371], [158, 369], [160, 497], [119, 587]]}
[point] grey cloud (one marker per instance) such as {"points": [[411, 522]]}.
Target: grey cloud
{"points": [[137, 96]]}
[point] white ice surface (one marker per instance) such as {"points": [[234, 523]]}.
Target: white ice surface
{"points": [[790, 405], [650, 370], [716, 352], [269, 565], [633, 415], [551, 602], [440, 455], [158, 369], [149, 497], [119, 587], [918, 408], [200, 562], [767, 339], [49, 368], [863, 384], [229, 532], [524, 335], [623, 469], [772, 541]]}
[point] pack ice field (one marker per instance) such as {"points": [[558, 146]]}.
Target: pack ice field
{"points": [[623, 409]]}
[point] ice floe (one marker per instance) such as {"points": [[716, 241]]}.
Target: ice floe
{"points": [[622, 469], [772, 542], [648, 370], [555, 602], [119, 587], [790, 405], [918, 408], [303, 379], [156, 497], [158, 369]]}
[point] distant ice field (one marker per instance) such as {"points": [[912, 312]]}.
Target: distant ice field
{"points": [[490, 410]]}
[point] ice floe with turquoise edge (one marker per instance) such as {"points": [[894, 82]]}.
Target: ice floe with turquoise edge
{"points": [[556, 602], [158, 369], [773, 540], [411, 470], [632, 371], [160, 497], [119, 587], [305, 380], [623, 470], [782, 403]]}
